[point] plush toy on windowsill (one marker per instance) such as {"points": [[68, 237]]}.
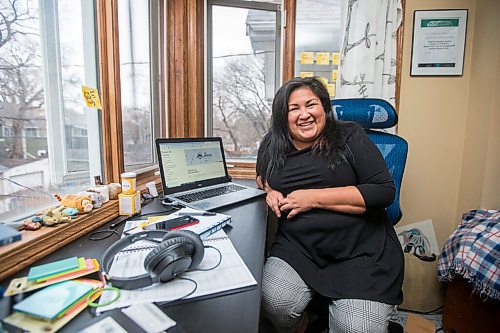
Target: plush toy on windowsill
{"points": [[55, 216], [81, 202]]}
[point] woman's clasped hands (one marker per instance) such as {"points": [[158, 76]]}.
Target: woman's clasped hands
{"points": [[294, 203]]}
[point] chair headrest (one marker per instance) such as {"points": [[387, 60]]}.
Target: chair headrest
{"points": [[368, 112]]}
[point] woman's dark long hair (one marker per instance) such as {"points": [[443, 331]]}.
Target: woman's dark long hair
{"points": [[277, 143]]}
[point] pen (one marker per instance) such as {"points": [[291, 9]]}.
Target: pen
{"points": [[196, 214]]}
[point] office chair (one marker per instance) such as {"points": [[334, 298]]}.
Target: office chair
{"points": [[372, 114]]}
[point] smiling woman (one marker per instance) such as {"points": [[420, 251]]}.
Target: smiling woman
{"points": [[306, 117], [328, 185]]}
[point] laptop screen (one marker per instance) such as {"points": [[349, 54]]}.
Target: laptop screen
{"points": [[190, 163]]}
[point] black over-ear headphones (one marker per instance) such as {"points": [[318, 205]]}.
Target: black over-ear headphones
{"points": [[178, 251]]}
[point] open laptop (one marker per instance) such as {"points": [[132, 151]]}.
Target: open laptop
{"points": [[194, 173]]}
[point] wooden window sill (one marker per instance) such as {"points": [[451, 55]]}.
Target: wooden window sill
{"points": [[35, 245], [241, 170]]}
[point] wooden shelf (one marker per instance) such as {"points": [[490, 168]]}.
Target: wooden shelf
{"points": [[35, 245]]}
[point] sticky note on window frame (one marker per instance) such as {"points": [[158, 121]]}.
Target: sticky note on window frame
{"points": [[323, 58], [334, 75], [91, 96], [307, 58], [335, 58], [306, 74], [324, 80], [331, 89]]}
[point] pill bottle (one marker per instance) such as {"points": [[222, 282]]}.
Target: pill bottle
{"points": [[128, 182], [152, 189]]}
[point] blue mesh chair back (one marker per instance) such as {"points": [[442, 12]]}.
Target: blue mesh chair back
{"points": [[374, 113]]}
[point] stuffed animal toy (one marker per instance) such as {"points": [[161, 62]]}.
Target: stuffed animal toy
{"points": [[31, 225], [71, 212], [81, 202], [55, 216], [95, 197]]}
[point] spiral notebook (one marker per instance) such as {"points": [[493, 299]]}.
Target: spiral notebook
{"points": [[207, 226], [232, 275]]}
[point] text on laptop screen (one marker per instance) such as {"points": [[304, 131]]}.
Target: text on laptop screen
{"points": [[189, 162]]}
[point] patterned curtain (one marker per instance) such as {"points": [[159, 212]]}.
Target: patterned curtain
{"points": [[368, 56]]}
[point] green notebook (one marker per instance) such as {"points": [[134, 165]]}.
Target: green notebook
{"points": [[41, 271], [53, 300]]}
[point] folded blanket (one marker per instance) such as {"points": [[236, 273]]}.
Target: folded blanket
{"points": [[473, 252]]}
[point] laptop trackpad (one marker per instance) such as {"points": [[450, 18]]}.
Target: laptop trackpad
{"points": [[202, 205]]}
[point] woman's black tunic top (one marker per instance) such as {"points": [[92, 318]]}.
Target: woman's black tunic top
{"points": [[337, 254]]}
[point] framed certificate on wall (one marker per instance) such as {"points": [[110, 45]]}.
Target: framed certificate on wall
{"points": [[438, 45]]}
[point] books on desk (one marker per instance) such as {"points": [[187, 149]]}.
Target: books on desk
{"points": [[232, 275], [51, 308], [53, 301], [44, 275]]}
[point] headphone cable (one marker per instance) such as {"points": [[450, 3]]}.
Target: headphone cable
{"points": [[211, 268], [161, 304]]}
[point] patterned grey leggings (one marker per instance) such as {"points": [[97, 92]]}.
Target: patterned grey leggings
{"points": [[285, 296]]}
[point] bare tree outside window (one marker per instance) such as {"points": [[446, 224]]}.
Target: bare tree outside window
{"points": [[21, 90], [243, 75], [41, 74], [241, 112]]}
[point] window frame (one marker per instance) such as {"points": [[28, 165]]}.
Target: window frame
{"points": [[155, 43], [56, 134], [20, 254]]}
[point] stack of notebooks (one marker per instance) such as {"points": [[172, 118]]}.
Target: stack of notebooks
{"points": [[49, 309], [61, 299], [60, 270], [56, 300], [47, 274]]}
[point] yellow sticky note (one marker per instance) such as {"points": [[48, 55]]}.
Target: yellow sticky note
{"points": [[334, 75], [331, 89], [323, 58], [91, 96], [306, 58], [306, 74], [324, 80], [335, 58]]}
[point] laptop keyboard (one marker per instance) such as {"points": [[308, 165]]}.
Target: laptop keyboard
{"points": [[201, 195]]}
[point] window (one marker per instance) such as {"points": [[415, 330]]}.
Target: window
{"points": [[47, 52], [31, 132], [139, 73], [318, 40], [243, 72]]}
